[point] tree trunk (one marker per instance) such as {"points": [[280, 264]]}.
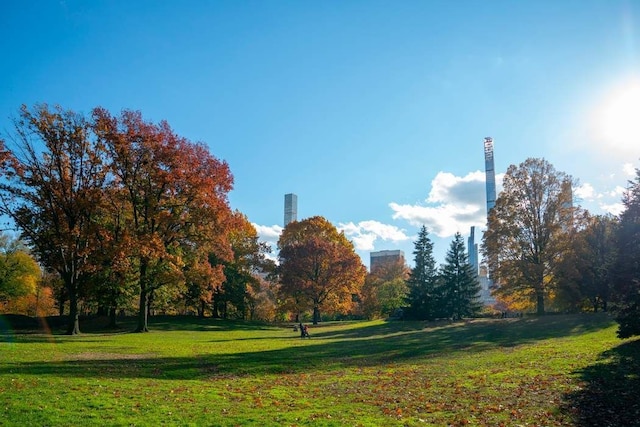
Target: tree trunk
{"points": [[216, 304], [73, 327], [142, 310], [540, 302], [61, 300], [316, 314], [112, 317], [144, 299]]}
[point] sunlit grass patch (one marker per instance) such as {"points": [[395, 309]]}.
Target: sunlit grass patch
{"points": [[484, 372]]}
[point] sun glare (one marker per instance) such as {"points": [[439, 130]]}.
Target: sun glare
{"points": [[619, 118]]}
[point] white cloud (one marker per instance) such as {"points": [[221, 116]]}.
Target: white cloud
{"points": [[365, 233], [460, 202], [444, 220], [268, 233], [614, 209], [448, 188], [585, 192], [617, 192], [629, 170]]}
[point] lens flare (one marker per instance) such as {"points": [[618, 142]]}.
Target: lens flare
{"points": [[619, 118]]}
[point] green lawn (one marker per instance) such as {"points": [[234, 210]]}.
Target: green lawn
{"points": [[542, 371]]}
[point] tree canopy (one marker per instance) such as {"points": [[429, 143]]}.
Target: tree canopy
{"points": [[53, 175], [385, 288], [19, 271], [112, 202], [527, 230], [319, 268], [176, 193]]}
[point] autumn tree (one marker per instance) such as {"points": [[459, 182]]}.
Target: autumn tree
{"points": [[585, 271], [241, 278], [460, 288], [53, 174], [201, 280], [423, 295], [626, 268], [527, 230], [113, 285], [319, 266], [19, 272], [385, 288], [176, 193], [263, 299]]}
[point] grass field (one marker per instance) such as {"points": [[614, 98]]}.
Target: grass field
{"points": [[535, 371]]}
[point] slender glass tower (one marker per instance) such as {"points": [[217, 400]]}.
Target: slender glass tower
{"points": [[290, 208], [473, 250], [490, 173]]}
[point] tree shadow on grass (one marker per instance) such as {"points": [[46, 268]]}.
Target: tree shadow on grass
{"points": [[57, 325], [502, 332], [329, 350], [610, 395]]}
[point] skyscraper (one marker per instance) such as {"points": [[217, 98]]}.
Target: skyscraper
{"points": [[490, 173], [290, 208], [473, 250]]}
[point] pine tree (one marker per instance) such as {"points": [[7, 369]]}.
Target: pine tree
{"points": [[423, 279], [460, 287]]}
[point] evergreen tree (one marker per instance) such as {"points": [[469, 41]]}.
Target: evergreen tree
{"points": [[423, 279], [626, 271], [460, 287]]}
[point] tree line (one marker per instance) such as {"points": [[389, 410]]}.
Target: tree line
{"points": [[116, 209], [545, 251]]}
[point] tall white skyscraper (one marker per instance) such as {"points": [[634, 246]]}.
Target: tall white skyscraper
{"points": [[490, 173], [290, 208], [473, 250]]}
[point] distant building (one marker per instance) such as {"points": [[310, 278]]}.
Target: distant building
{"points": [[566, 208], [490, 173], [473, 250], [485, 287], [290, 208], [380, 258]]}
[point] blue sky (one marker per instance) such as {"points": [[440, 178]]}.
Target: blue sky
{"points": [[372, 112]]}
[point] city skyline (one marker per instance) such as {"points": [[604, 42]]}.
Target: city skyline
{"points": [[372, 113]]}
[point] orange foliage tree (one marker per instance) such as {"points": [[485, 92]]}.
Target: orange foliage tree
{"points": [[319, 267], [176, 195]]}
